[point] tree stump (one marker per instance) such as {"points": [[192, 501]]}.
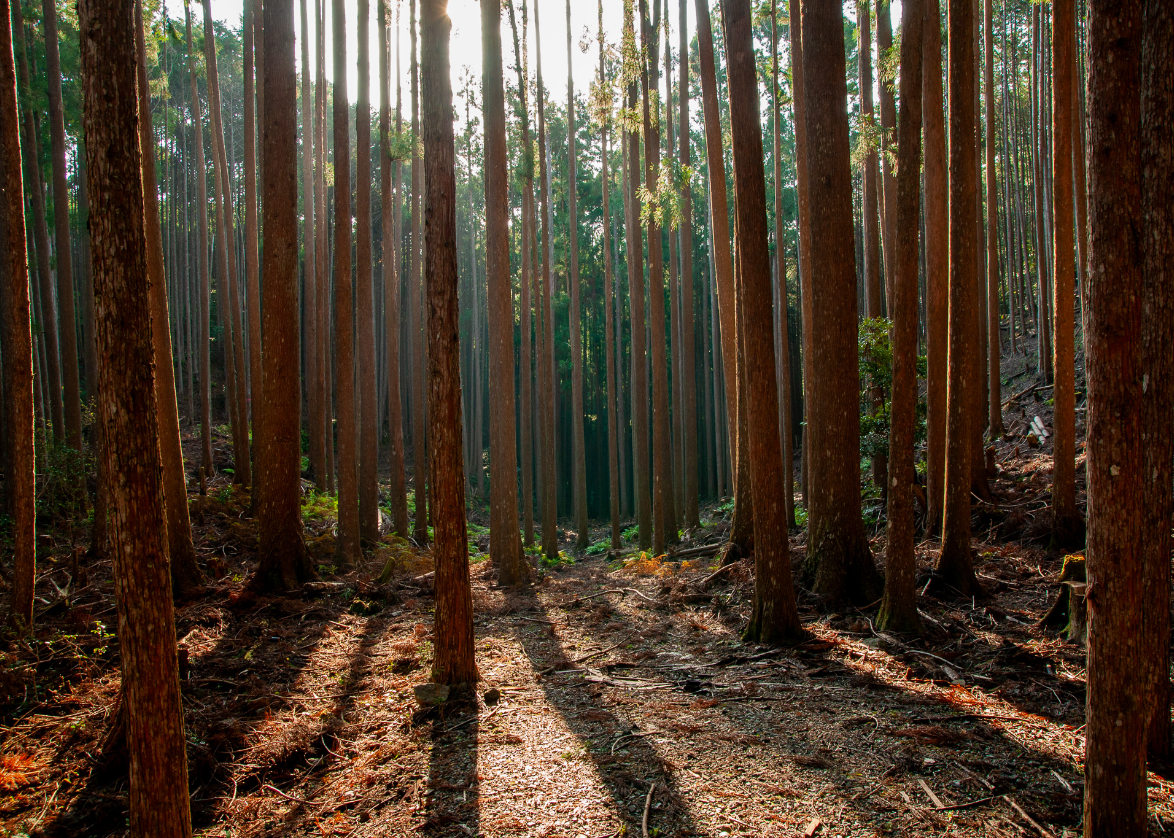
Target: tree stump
{"points": [[1077, 629], [1060, 614]]}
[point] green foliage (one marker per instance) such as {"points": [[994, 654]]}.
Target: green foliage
{"points": [[599, 547], [561, 560], [876, 373], [630, 533], [60, 478]]}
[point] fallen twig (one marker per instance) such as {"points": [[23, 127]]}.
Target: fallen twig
{"points": [[647, 806], [1047, 833], [286, 796]]}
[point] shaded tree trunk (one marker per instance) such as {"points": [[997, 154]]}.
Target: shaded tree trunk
{"points": [[774, 618], [310, 294], [899, 606], [578, 442], [127, 410], [994, 339], [838, 554], [284, 562], [609, 315], [505, 543], [453, 638], [17, 337], [1115, 777], [252, 279], [689, 514], [954, 565], [416, 306], [783, 340]]}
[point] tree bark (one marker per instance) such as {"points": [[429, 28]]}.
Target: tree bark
{"points": [[1157, 102], [955, 565], [505, 543], [70, 378], [186, 578], [284, 562], [416, 305], [994, 338], [783, 362], [17, 346], [127, 410], [252, 233], [453, 638], [390, 263], [937, 264], [1067, 524], [838, 553], [347, 548], [774, 618], [899, 607], [366, 403], [1115, 774]]}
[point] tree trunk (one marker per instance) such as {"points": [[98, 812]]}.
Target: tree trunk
{"points": [[1157, 115], [578, 442], [838, 552], [505, 543], [719, 215], [347, 549], [284, 562], [366, 404], [1115, 777], [128, 410], [252, 279], [783, 362], [325, 414], [65, 300], [899, 607], [1067, 524], [994, 339], [774, 618], [416, 305], [937, 263], [186, 578], [954, 566], [609, 316], [390, 263], [17, 346], [316, 431], [453, 635]]}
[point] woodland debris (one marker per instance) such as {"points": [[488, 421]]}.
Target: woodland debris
{"points": [[431, 695]]}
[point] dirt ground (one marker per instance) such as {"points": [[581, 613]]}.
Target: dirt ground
{"points": [[616, 697]]}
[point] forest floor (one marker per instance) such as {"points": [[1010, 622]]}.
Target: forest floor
{"points": [[616, 696]]}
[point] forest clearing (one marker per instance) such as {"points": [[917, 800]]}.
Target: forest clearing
{"points": [[770, 433]]}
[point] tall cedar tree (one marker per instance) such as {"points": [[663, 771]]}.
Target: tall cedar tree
{"points": [[347, 547], [1158, 347], [16, 340], [799, 120], [690, 516], [899, 606], [316, 431], [526, 373], [662, 470], [416, 310], [994, 335], [609, 314], [251, 49], [284, 561], [782, 338], [366, 405], [638, 353], [546, 376], [186, 578], [127, 411], [323, 383], [64, 253], [774, 618], [937, 264], [1158, 333], [203, 335], [888, 124], [505, 542], [837, 549], [390, 264], [229, 297], [1115, 774], [453, 637], [955, 566], [578, 442], [1067, 524]]}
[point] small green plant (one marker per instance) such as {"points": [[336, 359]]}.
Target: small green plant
{"points": [[876, 374], [561, 560], [599, 547], [801, 516], [630, 533]]}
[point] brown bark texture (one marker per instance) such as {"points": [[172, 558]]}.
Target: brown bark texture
{"points": [[1115, 765], [16, 340], [186, 578], [416, 308], [994, 335], [955, 565], [284, 562], [609, 315], [578, 441], [367, 411], [127, 410], [453, 638], [505, 542], [774, 618], [899, 607], [838, 553], [690, 515], [347, 548]]}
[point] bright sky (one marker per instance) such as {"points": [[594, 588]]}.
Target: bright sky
{"points": [[465, 44]]}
